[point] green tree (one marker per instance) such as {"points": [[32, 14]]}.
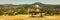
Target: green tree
{"points": [[50, 12], [22, 11]]}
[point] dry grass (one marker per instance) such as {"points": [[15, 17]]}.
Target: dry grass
{"points": [[27, 17]]}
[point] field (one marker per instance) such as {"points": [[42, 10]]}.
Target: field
{"points": [[27, 17]]}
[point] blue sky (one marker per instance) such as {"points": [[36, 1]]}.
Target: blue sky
{"points": [[29, 1]]}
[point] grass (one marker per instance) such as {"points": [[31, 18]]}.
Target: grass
{"points": [[27, 17]]}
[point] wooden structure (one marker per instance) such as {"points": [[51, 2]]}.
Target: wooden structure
{"points": [[36, 10]]}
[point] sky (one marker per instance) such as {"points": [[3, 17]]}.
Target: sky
{"points": [[29, 1]]}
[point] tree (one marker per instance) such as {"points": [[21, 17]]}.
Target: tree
{"points": [[22, 11]]}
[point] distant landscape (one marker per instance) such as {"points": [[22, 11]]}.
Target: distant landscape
{"points": [[21, 12], [22, 9]]}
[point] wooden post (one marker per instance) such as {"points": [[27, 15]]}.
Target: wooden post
{"points": [[41, 14]]}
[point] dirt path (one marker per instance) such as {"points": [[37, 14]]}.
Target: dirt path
{"points": [[27, 17]]}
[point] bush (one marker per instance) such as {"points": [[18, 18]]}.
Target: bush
{"points": [[50, 12]]}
